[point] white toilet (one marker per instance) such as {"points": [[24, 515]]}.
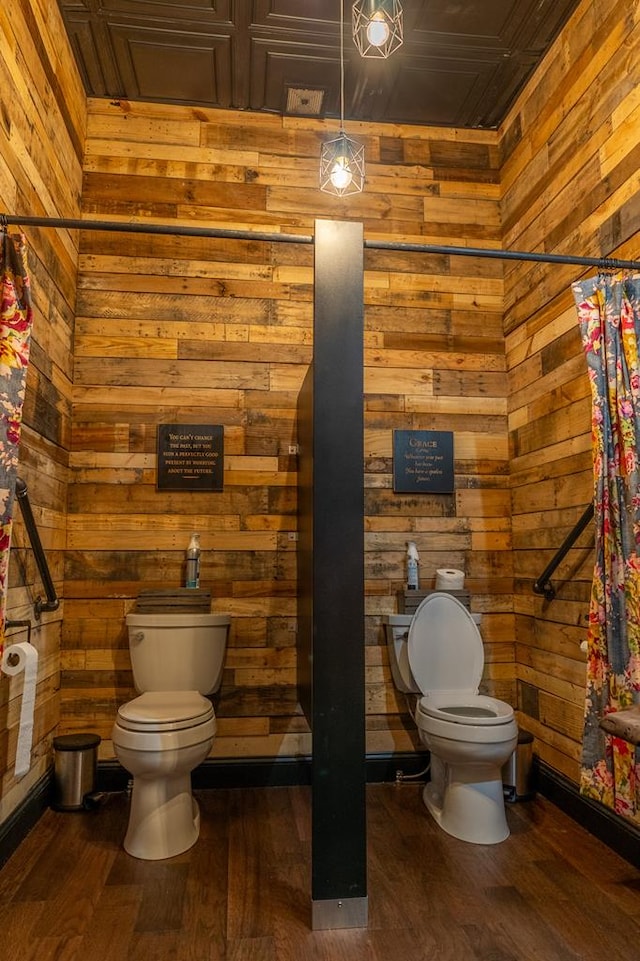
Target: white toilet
{"points": [[162, 735], [438, 653]]}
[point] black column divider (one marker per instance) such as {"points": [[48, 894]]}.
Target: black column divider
{"points": [[331, 555]]}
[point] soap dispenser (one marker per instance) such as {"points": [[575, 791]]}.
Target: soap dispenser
{"points": [[193, 562]]}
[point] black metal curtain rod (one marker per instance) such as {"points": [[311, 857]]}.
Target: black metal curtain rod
{"points": [[603, 263], [141, 228]]}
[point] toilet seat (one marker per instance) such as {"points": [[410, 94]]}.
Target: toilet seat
{"points": [[464, 708], [165, 711], [164, 721], [470, 718], [444, 646]]}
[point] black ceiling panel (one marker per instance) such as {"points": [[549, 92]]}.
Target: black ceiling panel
{"points": [[462, 62]]}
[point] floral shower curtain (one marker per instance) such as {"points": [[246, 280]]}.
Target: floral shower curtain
{"points": [[16, 316], [609, 317]]}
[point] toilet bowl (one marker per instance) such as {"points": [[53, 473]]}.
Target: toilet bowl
{"points": [[159, 739], [160, 736], [470, 736]]}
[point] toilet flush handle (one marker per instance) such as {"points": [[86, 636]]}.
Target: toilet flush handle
{"points": [[138, 636]]}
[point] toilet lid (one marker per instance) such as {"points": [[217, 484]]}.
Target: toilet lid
{"points": [[445, 647], [165, 710]]}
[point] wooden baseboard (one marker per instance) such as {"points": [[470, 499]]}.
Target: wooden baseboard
{"points": [[616, 832], [266, 772], [15, 829]]}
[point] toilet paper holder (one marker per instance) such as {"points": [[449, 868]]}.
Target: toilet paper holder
{"points": [[27, 623]]}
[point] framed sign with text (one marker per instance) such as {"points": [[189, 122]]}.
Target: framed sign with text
{"points": [[423, 462], [190, 457]]}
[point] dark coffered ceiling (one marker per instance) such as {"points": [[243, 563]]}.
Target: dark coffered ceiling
{"points": [[462, 62]]}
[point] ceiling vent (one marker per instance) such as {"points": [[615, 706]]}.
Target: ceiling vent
{"points": [[305, 102]]}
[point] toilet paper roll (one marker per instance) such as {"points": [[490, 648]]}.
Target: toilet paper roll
{"points": [[18, 659], [449, 580]]}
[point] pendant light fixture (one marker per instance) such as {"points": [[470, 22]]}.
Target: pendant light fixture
{"points": [[377, 27], [342, 159]]}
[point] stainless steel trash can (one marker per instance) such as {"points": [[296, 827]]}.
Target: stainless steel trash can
{"points": [[75, 761], [517, 773]]}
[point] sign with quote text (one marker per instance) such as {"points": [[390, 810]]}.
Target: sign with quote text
{"points": [[190, 457], [423, 462]]}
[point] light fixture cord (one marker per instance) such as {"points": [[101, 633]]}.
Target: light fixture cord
{"points": [[341, 66]]}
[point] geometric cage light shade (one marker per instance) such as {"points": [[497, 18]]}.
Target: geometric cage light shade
{"points": [[342, 166], [377, 27], [342, 159]]}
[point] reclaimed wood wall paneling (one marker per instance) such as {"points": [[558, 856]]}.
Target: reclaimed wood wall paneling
{"points": [[42, 124], [561, 171], [568, 172], [217, 331]]}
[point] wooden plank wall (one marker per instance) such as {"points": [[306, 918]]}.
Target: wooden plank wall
{"points": [[570, 185], [215, 331], [42, 116], [211, 331]]}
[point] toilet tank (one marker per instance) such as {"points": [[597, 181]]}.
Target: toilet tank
{"points": [[396, 627], [177, 652]]}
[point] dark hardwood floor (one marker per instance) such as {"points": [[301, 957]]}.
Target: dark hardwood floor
{"points": [[550, 893]]}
